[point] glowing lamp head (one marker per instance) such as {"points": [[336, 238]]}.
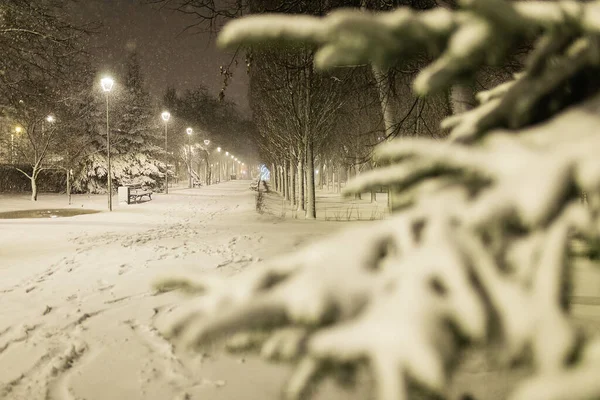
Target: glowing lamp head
{"points": [[189, 131], [50, 118], [166, 116], [218, 149], [107, 84], [18, 129], [232, 156], [226, 153], [206, 142]]}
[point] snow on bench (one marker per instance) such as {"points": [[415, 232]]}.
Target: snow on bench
{"points": [[137, 193]]}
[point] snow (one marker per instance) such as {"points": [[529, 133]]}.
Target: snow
{"points": [[78, 312], [77, 305]]}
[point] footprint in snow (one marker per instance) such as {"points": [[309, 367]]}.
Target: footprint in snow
{"points": [[124, 268]]}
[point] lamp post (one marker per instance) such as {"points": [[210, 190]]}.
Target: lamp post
{"points": [[189, 132], [208, 169], [227, 176], [107, 85], [219, 164], [166, 116]]}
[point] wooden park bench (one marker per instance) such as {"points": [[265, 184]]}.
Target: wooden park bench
{"points": [[137, 193]]}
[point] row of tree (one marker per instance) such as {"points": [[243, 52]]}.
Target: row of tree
{"points": [[308, 121]]}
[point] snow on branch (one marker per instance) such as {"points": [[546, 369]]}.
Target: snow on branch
{"points": [[483, 31], [478, 257]]}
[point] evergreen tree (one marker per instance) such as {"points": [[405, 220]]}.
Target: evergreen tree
{"points": [[136, 137]]}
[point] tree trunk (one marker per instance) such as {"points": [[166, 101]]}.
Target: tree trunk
{"points": [[333, 177], [301, 187], [462, 98], [208, 172], [357, 196], [311, 209], [34, 189], [304, 175], [286, 183], [320, 176], [389, 108], [69, 186], [348, 175], [281, 182], [277, 178], [387, 99], [339, 178], [292, 183]]}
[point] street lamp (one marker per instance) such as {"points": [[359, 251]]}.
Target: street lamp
{"points": [[107, 85], [189, 132], [50, 118], [18, 129], [219, 165], [166, 116]]}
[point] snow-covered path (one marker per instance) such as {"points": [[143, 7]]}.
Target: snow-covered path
{"points": [[76, 307]]}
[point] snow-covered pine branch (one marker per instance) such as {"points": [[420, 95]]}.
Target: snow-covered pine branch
{"points": [[479, 257], [479, 33]]}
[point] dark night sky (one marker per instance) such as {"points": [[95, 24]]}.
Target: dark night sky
{"points": [[169, 57]]}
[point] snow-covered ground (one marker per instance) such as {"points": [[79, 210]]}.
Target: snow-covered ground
{"points": [[77, 312], [331, 206], [76, 306]]}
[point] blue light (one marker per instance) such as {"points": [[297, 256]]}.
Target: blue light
{"points": [[265, 174]]}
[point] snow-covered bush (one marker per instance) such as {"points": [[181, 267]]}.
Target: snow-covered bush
{"points": [[478, 255], [128, 168]]}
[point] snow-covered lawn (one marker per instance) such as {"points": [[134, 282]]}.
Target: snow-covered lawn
{"points": [[332, 207], [77, 312]]}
